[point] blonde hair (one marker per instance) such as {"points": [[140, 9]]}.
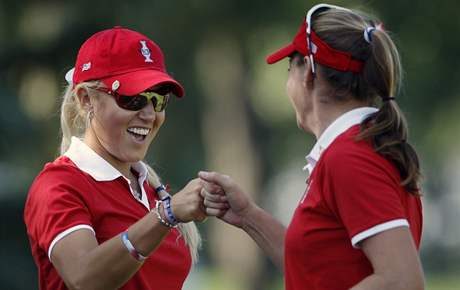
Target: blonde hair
{"points": [[381, 78], [75, 121]]}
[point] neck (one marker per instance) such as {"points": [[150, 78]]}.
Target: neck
{"points": [[325, 113]]}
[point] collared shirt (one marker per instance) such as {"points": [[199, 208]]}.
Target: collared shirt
{"points": [[340, 125], [90, 162], [82, 191], [353, 193]]}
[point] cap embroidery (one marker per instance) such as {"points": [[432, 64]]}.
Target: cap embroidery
{"points": [[145, 51], [86, 66]]}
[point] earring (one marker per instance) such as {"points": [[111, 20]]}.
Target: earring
{"points": [[89, 116]]}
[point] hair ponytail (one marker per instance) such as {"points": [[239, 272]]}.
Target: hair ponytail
{"points": [[387, 130], [188, 230], [381, 77]]}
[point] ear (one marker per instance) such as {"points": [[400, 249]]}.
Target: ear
{"points": [[309, 76], [83, 98]]}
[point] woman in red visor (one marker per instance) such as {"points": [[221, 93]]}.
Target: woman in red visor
{"points": [[359, 223]]}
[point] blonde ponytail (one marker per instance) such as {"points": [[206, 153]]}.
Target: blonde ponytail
{"points": [[188, 230]]}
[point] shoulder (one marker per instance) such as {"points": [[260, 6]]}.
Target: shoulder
{"points": [[349, 157], [60, 170], [59, 174]]}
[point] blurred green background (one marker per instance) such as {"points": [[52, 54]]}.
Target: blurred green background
{"points": [[235, 117]]}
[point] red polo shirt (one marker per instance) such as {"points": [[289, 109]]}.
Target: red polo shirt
{"points": [[80, 190], [353, 193]]}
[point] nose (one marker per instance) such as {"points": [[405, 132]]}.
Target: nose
{"points": [[147, 113]]}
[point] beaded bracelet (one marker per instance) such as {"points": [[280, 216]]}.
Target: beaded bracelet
{"points": [[159, 217], [167, 207], [129, 246]]}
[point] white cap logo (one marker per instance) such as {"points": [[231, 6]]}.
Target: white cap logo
{"points": [[145, 51], [86, 66]]}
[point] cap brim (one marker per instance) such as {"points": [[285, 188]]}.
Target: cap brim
{"points": [[133, 83], [281, 53], [69, 76]]}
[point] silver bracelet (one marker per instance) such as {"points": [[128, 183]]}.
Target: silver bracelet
{"points": [[160, 219]]}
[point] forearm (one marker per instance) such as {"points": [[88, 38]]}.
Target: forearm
{"points": [[371, 282], [110, 265], [268, 233]]}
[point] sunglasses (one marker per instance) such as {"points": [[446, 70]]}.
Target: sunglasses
{"points": [[139, 101], [311, 46]]}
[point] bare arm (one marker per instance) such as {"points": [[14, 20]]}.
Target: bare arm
{"points": [[83, 264], [223, 198], [395, 260], [268, 233]]}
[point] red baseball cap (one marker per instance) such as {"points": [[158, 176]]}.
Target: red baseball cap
{"points": [[322, 52], [124, 60]]}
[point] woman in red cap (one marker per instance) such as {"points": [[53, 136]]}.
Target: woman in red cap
{"points": [[98, 217], [359, 223]]}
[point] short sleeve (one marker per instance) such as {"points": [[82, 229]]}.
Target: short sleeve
{"points": [[364, 192], [56, 206]]}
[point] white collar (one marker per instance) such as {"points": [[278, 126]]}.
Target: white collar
{"points": [[90, 162], [340, 125]]}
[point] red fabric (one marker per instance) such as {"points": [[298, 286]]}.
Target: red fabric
{"points": [[324, 54], [351, 189], [62, 196], [118, 54]]}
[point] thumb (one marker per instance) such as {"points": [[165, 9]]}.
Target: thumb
{"points": [[214, 177]]}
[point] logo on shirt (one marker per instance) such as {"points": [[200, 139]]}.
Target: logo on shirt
{"points": [[309, 184]]}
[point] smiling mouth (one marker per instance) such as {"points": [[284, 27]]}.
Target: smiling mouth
{"points": [[138, 133]]}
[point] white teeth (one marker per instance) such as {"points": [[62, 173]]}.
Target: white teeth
{"points": [[139, 131]]}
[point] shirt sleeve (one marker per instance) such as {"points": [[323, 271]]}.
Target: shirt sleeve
{"points": [[56, 206], [365, 193]]}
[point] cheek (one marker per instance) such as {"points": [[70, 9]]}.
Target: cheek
{"points": [[160, 119], [293, 89], [110, 123], [290, 86]]}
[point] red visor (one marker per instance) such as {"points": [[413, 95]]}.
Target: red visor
{"points": [[322, 52]]}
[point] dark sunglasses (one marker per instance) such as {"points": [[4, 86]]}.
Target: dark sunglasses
{"points": [[139, 101]]}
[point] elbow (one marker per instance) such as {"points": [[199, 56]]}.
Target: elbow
{"points": [[417, 281], [78, 283], [419, 284], [416, 285], [410, 282], [74, 285]]}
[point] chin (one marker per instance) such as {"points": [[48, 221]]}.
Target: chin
{"points": [[303, 127], [133, 158], [300, 124]]}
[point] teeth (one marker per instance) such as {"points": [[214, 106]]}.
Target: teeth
{"points": [[139, 131]]}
